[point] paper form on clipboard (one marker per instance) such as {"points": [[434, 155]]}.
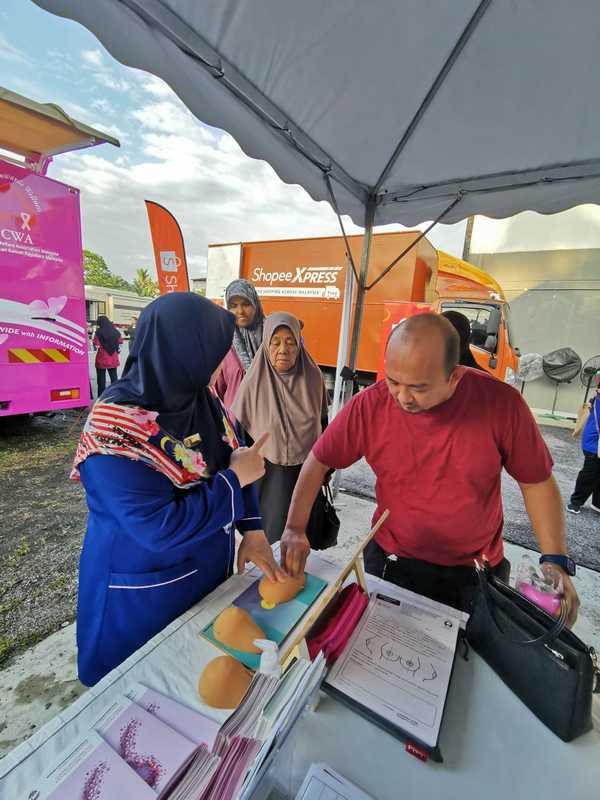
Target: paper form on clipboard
{"points": [[398, 664]]}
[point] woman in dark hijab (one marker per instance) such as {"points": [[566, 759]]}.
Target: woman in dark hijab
{"points": [[284, 393], [165, 485], [463, 327], [242, 300], [107, 341]]}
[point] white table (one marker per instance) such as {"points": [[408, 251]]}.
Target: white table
{"points": [[493, 748]]}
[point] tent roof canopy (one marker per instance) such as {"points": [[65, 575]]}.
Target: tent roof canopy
{"points": [[32, 129], [419, 108]]}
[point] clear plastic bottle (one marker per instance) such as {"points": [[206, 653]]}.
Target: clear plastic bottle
{"points": [[535, 586]]}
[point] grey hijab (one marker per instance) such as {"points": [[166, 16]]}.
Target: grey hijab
{"points": [[246, 341], [290, 405]]}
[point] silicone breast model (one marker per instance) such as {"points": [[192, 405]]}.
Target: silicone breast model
{"points": [[223, 683], [235, 628], [274, 593]]}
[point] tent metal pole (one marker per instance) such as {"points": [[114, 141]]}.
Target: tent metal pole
{"points": [[468, 237], [338, 400], [342, 387], [362, 280]]}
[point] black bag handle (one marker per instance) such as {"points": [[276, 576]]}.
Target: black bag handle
{"points": [[549, 636], [327, 491]]}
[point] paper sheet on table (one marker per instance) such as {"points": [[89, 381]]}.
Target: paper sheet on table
{"points": [[398, 665], [322, 782]]}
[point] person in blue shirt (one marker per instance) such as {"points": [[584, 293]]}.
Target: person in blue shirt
{"points": [[166, 482], [588, 480]]}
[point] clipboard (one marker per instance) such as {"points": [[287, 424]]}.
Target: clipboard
{"points": [[385, 671]]}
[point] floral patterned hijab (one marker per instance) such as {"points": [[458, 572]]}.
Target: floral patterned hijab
{"points": [[162, 410]]}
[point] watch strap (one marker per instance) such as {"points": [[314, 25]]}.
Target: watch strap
{"points": [[563, 561]]}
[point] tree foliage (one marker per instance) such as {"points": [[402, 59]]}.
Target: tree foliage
{"points": [[97, 273], [144, 285]]}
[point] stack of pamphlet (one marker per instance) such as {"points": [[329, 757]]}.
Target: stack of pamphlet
{"points": [[148, 745]]}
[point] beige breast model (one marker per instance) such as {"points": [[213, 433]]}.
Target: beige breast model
{"points": [[235, 628], [274, 593], [223, 683]]}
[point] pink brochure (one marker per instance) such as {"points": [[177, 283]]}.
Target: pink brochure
{"points": [[153, 750], [186, 721], [90, 770]]}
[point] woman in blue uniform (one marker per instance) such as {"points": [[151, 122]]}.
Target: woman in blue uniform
{"points": [[166, 485]]}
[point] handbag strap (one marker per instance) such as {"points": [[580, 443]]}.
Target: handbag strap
{"points": [[548, 636], [328, 493]]}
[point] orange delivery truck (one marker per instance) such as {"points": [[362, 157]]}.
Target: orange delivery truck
{"points": [[306, 277]]}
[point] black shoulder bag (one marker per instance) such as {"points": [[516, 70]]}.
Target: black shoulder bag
{"points": [[324, 524], [546, 665]]}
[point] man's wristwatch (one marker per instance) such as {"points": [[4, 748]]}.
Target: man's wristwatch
{"points": [[562, 561]]}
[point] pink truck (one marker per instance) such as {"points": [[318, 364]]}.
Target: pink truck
{"points": [[43, 334]]}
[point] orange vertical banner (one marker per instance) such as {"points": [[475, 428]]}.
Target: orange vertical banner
{"points": [[169, 250]]}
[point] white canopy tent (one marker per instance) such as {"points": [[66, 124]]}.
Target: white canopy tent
{"points": [[393, 110]]}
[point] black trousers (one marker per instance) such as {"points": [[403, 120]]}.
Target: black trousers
{"points": [[454, 586], [588, 482], [101, 376]]}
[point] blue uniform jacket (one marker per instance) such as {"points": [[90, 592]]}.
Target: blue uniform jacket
{"points": [[589, 437], [150, 552]]}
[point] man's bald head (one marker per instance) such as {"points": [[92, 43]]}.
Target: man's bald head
{"points": [[421, 361], [432, 331]]}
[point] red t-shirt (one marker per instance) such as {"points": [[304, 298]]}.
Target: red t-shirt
{"points": [[438, 472]]}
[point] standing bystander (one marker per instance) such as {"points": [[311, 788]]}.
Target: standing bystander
{"points": [[588, 480], [107, 341]]}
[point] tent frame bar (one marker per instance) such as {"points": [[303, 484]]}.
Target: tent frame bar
{"points": [[436, 190], [433, 90], [190, 42], [424, 233]]}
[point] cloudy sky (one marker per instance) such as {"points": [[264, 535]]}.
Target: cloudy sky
{"points": [[199, 173]]}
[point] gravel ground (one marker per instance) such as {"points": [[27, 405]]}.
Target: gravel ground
{"points": [[43, 519], [583, 531], [44, 516]]}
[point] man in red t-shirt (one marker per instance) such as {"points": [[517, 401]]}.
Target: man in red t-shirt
{"points": [[437, 436]]}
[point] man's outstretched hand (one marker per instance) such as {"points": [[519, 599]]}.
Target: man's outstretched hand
{"points": [[294, 552]]}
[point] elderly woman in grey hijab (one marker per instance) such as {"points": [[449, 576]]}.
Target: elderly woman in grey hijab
{"points": [[242, 300], [283, 393]]}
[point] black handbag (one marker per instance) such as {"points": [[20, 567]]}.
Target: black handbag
{"points": [[544, 663], [324, 524]]}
